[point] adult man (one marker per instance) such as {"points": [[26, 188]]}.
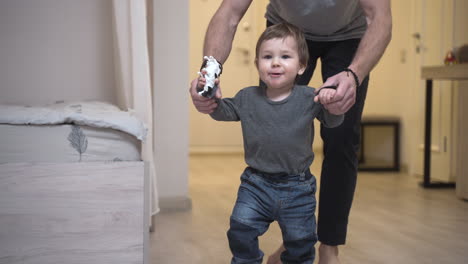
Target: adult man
{"points": [[349, 37]]}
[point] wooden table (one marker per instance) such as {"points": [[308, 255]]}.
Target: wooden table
{"points": [[430, 73]]}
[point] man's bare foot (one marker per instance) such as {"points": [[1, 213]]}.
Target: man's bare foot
{"points": [[275, 258], [328, 254]]}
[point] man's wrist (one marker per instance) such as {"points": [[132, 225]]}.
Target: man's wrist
{"points": [[354, 76]]}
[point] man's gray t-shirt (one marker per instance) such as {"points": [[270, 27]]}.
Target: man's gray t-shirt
{"points": [[320, 20], [278, 135]]}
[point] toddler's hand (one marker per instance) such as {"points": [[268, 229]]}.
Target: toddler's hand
{"points": [[325, 95]]}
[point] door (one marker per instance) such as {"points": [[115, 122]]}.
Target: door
{"points": [[239, 71], [433, 38]]}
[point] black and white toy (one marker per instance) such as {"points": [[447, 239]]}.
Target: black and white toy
{"points": [[213, 70]]}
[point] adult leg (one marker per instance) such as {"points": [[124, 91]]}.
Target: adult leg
{"points": [[341, 144]]}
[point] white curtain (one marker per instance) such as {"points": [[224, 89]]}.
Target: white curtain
{"points": [[133, 79]]}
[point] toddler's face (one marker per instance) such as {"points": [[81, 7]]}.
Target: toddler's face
{"points": [[278, 63]]}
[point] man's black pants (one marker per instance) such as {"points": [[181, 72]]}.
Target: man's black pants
{"points": [[341, 144]]}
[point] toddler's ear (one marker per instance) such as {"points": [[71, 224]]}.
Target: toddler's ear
{"points": [[301, 70]]}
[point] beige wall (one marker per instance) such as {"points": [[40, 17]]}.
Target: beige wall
{"points": [[54, 50], [390, 88]]}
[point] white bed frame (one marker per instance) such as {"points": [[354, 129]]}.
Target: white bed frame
{"points": [[93, 212]]}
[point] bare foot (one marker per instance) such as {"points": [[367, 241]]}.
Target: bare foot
{"points": [[328, 254], [275, 258]]}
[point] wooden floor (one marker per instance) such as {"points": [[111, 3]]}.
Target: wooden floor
{"points": [[393, 220]]}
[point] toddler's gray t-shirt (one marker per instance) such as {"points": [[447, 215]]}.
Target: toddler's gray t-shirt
{"points": [[278, 135]]}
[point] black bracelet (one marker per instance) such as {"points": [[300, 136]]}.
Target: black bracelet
{"points": [[356, 79]]}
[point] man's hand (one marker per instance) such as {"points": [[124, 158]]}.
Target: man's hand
{"points": [[202, 104], [345, 95]]}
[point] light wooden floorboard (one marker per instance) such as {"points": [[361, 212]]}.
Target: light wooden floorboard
{"points": [[393, 220]]}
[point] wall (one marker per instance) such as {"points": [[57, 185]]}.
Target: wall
{"points": [[389, 86], [54, 50], [396, 87], [171, 83], [461, 22]]}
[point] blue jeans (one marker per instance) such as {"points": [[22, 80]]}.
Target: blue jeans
{"points": [[263, 198]]}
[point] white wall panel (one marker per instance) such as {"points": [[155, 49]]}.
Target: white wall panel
{"points": [[54, 50]]}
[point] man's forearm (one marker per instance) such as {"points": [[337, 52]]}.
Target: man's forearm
{"points": [[376, 38], [222, 28], [218, 39]]}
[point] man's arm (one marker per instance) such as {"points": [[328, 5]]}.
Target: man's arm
{"points": [[370, 50], [222, 28], [376, 38], [218, 43]]}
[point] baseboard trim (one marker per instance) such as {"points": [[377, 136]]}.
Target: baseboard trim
{"points": [[175, 203], [194, 150], [204, 150]]}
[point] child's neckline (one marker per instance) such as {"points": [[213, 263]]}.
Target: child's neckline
{"points": [[280, 101]]}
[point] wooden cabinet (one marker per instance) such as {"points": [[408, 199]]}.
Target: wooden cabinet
{"points": [[73, 213]]}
